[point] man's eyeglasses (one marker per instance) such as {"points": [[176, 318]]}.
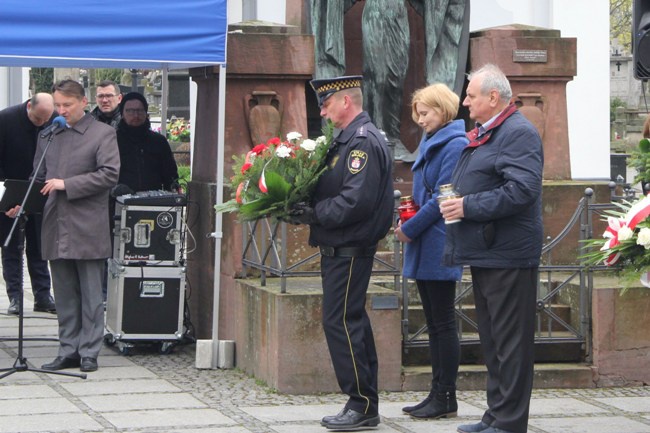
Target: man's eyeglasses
{"points": [[138, 111], [106, 96]]}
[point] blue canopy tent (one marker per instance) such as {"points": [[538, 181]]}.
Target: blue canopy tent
{"points": [[121, 33], [153, 34]]}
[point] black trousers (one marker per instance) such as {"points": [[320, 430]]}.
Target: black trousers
{"points": [[348, 331], [439, 310], [505, 310], [12, 259]]}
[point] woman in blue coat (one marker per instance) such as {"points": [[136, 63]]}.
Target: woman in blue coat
{"points": [[434, 108]]}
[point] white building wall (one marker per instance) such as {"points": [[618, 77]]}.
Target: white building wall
{"points": [[275, 13], [588, 93], [14, 86]]}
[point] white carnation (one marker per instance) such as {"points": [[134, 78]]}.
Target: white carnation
{"points": [[283, 151], [294, 136], [321, 140], [625, 233], [644, 238], [309, 145]]}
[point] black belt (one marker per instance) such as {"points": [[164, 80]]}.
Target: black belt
{"points": [[348, 251]]}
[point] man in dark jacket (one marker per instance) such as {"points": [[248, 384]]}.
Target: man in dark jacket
{"points": [[499, 177], [147, 161], [108, 99], [352, 210], [19, 129]]}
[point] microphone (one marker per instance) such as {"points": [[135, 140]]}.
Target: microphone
{"points": [[58, 123]]}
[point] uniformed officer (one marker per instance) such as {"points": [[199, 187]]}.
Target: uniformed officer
{"points": [[351, 211]]}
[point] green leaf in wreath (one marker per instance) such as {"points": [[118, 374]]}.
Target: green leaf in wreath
{"points": [[644, 145], [276, 185]]}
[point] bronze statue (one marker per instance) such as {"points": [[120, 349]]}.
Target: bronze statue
{"points": [[385, 63], [386, 40], [329, 43], [446, 29]]}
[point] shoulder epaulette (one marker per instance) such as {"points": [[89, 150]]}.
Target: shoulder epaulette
{"points": [[362, 131]]}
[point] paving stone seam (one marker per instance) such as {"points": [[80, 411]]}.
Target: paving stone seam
{"points": [[58, 388]]}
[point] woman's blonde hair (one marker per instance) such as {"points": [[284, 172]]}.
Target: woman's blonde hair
{"points": [[437, 96]]}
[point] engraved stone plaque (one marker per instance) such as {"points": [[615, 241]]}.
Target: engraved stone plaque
{"points": [[529, 56]]}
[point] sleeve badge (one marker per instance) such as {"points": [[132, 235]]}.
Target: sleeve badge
{"points": [[357, 161]]}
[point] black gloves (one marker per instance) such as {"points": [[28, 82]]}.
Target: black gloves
{"points": [[302, 213]]}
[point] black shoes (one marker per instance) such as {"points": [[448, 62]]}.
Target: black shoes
{"points": [[14, 306], [89, 364], [329, 418], [61, 363], [351, 420], [472, 428], [45, 305], [409, 409], [442, 405]]}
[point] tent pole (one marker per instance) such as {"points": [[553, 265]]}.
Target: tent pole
{"points": [[164, 101], [218, 233]]}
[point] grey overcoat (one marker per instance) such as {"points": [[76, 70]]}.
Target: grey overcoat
{"points": [[75, 221]]}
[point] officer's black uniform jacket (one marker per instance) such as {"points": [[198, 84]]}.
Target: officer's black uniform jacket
{"points": [[353, 202]]}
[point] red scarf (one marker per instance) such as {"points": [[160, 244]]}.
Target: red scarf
{"points": [[476, 141]]}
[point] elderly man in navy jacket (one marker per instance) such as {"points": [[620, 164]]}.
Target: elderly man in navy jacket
{"points": [[499, 176]]}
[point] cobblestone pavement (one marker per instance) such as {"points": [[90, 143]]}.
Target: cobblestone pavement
{"points": [[151, 392]]}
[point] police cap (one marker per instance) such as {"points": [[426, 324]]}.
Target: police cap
{"points": [[326, 87]]}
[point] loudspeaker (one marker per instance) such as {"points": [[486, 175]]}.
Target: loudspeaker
{"points": [[641, 38]]}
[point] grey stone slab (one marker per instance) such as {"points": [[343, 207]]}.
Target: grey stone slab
{"points": [[394, 410], [111, 360], [48, 423], [228, 429], [559, 406], [611, 424], [12, 392], [110, 387], [170, 418], [46, 328], [628, 404], [21, 376], [41, 356], [112, 403], [433, 426], [274, 414], [133, 372], [31, 406], [317, 428]]}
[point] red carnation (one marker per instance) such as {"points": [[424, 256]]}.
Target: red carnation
{"points": [[257, 150]]}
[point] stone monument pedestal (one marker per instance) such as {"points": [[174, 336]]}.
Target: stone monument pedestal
{"points": [[280, 338], [538, 63], [268, 66]]}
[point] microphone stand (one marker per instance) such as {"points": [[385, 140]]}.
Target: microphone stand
{"points": [[21, 362]]}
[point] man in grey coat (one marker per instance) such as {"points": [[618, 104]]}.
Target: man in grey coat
{"points": [[80, 167]]}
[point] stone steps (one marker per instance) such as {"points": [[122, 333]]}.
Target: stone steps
{"points": [[561, 350], [473, 377], [417, 319]]}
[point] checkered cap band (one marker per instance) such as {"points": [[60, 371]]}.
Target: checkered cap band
{"points": [[336, 86]]}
